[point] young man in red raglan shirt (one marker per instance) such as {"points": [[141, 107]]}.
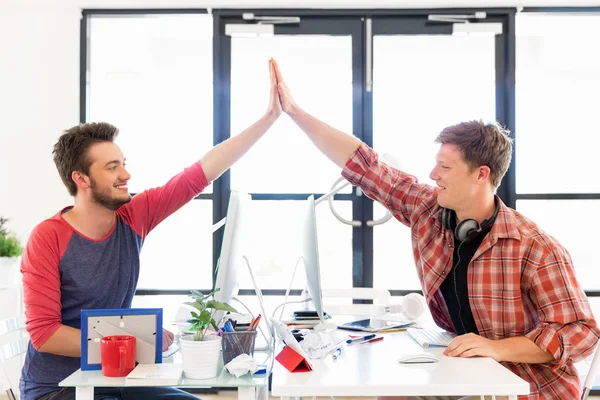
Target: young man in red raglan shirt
{"points": [[87, 255]]}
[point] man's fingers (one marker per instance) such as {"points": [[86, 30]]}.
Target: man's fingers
{"points": [[453, 345], [471, 353], [459, 348], [272, 73], [277, 72], [282, 91]]}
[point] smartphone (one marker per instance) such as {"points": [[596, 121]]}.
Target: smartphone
{"points": [[306, 314]]}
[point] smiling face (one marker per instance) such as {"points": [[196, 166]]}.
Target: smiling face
{"points": [[457, 183], [108, 177]]}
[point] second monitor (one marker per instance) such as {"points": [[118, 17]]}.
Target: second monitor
{"points": [[310, 256]]}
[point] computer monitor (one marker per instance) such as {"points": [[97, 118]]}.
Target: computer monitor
{"points": [[231, 260], [310, 256]]}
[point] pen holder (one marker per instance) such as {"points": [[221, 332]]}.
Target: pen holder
{"points": [[236, 343]]}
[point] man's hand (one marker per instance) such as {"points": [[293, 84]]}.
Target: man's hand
{"points": [[472, 345], [274, 103], [167, 339], [285, 96]]}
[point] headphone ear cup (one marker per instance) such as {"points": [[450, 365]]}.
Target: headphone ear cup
{"points": [[467, 230], [446, 218]]}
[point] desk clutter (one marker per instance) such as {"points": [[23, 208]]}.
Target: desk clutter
{"points": [[304, 319], [238, 343]]}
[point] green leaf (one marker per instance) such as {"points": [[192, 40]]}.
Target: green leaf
{"points": [[217, 305], [196, 294], [204, 317], [214, 324], [9, 246], [201, 321], [195, 304]]}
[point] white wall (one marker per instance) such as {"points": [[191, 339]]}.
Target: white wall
{"points": [[39, 90], [39, 86]]}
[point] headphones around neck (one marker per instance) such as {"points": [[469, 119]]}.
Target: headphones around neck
{"points": [[468, 229]]}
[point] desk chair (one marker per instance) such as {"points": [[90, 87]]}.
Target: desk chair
{"points": [[15, 327], [379, 296], [591, 375]]}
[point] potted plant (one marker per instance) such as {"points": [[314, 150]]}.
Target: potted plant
{"points": [[10, 250], [200, 350]]}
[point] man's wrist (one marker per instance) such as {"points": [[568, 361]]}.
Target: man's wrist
{"points": [[294, 111], [270, 116], [501, 348]]}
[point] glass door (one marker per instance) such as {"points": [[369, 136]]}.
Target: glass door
{"points": [[320, 60]]}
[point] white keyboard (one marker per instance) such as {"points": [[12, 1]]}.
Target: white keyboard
{"points": [[428, 337]]}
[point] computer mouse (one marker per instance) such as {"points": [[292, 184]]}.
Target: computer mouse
{"points": [[417, 358]]}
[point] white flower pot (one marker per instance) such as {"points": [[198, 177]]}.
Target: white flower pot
{"points": [[200, 358], [9, 272]]}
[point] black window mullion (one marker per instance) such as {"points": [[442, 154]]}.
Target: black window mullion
{"points": [[362, 237], [505, 100], [221, 125]]}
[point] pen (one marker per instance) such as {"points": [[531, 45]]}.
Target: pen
{"points": [[254, 323], [337, 353], [228, 326], [358, 339], [372, 340]]}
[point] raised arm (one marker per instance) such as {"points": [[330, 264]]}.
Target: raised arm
{"points": [[224, 155], [336, 145]]}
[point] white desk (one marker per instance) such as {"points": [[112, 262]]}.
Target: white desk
{"points": [[250, 387], [373, 370]]}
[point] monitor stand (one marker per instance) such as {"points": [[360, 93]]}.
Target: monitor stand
{"points": [[322, 326]]}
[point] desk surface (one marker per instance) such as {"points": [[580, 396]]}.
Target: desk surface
{"points": [[373, 370], [81, 378]]}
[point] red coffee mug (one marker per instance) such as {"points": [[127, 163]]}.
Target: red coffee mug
{"points": [[117, 355]]}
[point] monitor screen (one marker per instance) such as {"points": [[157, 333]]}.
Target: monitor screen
{"points": [[310, 255], [231, 261]]}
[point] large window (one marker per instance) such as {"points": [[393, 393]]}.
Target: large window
{"points": [[557, 136], [151, 76]]}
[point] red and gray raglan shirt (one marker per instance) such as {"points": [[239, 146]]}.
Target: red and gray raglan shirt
{"points": [[64, 272]]}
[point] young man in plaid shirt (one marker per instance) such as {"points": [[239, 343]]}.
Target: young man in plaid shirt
{"points": [[489, 274]]}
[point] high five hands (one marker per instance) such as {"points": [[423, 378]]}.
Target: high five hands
{"points": [[280, 91]]}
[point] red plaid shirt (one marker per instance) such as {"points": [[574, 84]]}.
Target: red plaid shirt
{"points": [[521, 280]]}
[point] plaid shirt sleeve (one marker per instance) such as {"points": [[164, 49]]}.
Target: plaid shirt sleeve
{"points": [[397, 191], [567, 327]]}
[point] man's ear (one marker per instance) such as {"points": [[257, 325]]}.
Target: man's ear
{"points": [[81, 180], [483, 174]]}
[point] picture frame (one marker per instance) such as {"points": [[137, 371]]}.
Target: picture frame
{"points": [[143, 323]]}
